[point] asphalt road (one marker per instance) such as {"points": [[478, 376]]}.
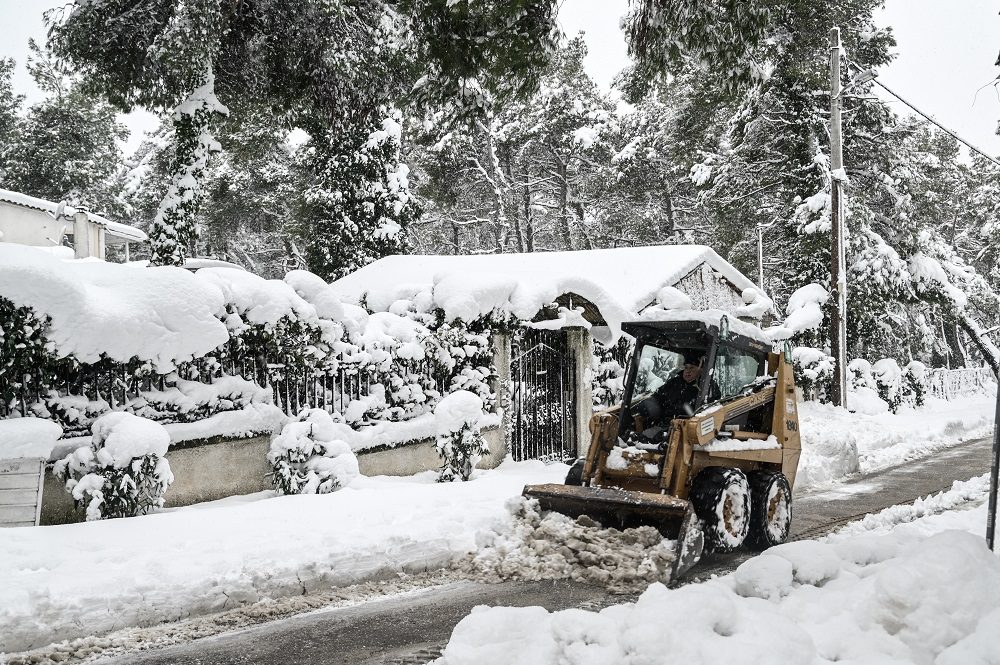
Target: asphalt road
{"points": [[413, 628]]}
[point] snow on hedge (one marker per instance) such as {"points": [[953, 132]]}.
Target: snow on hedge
{"points": [[620, 282], [28, 437], [163, 315], [923, 592]]}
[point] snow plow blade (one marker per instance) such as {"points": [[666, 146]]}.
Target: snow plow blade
{"points": [[621, 509]]}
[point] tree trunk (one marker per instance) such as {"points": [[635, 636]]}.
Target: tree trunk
{"points": [[958, 358], [989, 350], [564, 207], [668, 226]]}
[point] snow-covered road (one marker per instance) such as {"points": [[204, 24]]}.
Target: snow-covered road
{"points": [[409, 627]]}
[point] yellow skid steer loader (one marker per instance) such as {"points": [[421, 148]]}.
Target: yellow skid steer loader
{"points": [[705, 445]]}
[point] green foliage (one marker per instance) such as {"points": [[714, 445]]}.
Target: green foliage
{"points": [[67, 147], [361, 207], [459, 452], [109, 492]]}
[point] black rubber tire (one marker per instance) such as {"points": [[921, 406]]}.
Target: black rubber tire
{"points": [[575, 475], [721, 490], [769, 522]]}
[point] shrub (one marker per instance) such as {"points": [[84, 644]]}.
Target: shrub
{"points": [[813, 372], [888, 382], [123, 473], [915, 382], [310, 455], [459, 441]]}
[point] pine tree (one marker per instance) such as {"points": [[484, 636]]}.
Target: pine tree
{"points": [[67, 147], [10, 107], [361, 206]]}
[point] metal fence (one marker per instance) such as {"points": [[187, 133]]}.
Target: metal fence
{"points": [[119, 383], [952, 383]]}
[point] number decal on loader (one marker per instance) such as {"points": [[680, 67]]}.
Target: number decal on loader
{"points": [[707, 426]]}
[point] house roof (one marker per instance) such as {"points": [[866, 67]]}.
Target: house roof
{"points": [[619, 282], [117, 233]]}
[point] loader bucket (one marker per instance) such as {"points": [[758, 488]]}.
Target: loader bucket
{"points": [[623, 508]]}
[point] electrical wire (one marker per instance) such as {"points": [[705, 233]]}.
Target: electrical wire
{"points": [[933, 121]]}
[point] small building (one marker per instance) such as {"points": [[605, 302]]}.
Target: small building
{"points": [[28, 220], [570, 302]]}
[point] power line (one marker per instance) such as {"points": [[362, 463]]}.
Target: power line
{"points": [[933, 121]]}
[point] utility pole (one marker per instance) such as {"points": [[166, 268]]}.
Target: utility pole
{"points": [[991, 512], [838, 270]]}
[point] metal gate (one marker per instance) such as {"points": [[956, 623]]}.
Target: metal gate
{"points": [[543, 370]]}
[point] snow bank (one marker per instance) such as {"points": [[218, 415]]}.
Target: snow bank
{"points": [[620, 282], [925, 592], [533, 546], [164, 315], [837, 443], [28, 437], [169, 565]]}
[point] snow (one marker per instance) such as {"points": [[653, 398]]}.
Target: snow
{"points": [[252, 420], [125, 437], [620, 282], [164, 315], [257, 300], [837, 443], [710, 317], [161, 567], [536, 546], [804, 312], [923, 592], [730, 444], [28, 437], [456, 411]]}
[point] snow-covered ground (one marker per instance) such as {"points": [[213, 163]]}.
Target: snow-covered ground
{"points": [[66, 581], [908, 586], [61, 582], [836, 443]]}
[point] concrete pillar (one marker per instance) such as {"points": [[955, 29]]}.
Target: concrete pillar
{"points": [[502, 386], [81, 235], [581, 346]]}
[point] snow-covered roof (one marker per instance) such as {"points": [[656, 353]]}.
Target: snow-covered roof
{"points": [[619, 282], [117, 233]]}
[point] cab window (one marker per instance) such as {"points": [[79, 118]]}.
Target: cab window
{"points": [[735, 368]]}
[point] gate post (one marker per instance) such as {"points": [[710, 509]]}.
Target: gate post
{"points": [[581, 346], [501, 386]]}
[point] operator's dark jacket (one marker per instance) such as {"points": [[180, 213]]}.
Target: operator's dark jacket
{"points": [[677, 397]]}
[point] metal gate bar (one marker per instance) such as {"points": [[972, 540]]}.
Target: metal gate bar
{"points": [[543, 371]]}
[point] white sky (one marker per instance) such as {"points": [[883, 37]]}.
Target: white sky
{"points": [[946, 53]]}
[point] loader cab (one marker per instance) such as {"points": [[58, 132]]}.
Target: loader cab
{"points": [[730, 364]]}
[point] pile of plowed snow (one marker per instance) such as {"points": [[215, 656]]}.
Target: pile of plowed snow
{"points": [[537, 545]]}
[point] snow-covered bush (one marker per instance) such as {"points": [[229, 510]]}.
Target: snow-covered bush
{"points": [[607, 372], [859, 375], [459, 441], [123, 472], [914, 383], [888, 381], [813, 372], [310, 455]]}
